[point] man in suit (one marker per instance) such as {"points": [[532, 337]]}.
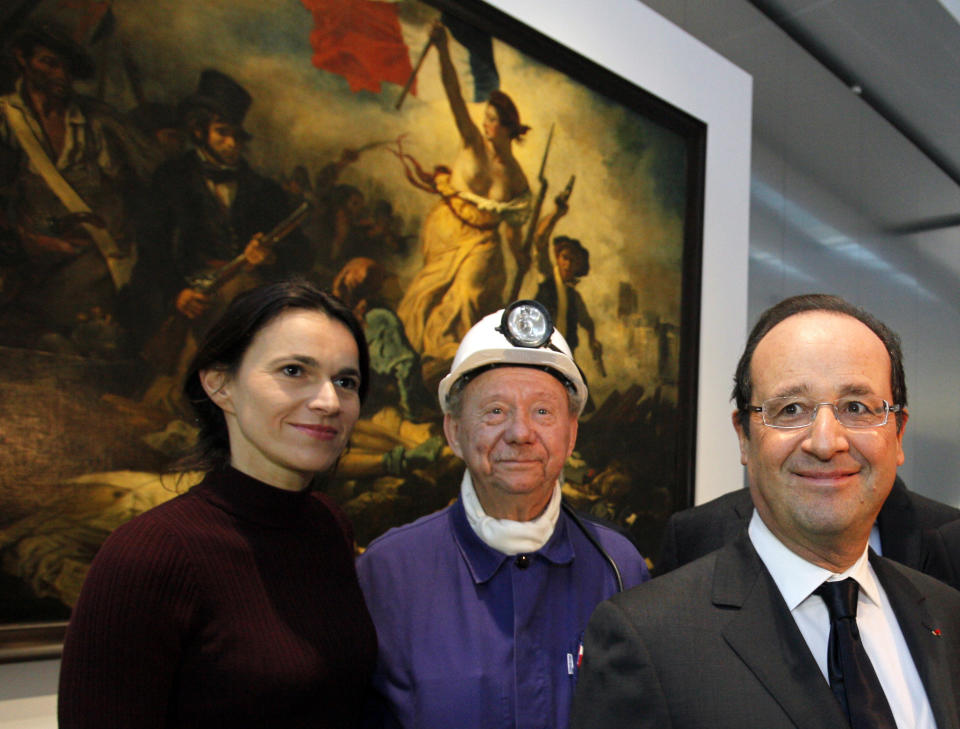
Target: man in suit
{"points": [[209, 204], [897, 533], [207, 207], [742, 637]]}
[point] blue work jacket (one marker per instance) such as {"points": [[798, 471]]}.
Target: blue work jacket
{"points": [[472, 638]]}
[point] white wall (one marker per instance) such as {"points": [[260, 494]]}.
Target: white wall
{"points": [[803, 239], [636, 43], [28, 695], [829, 177], [639, 45]]}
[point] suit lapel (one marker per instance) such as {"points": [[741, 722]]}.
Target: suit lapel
{"points": [[743, 509], [766, 638], [926, 647]]}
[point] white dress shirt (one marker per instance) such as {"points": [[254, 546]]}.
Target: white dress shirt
{"points": [[879, 630]]}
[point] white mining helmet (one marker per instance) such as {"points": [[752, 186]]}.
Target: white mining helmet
{"points": [[522, 334]]}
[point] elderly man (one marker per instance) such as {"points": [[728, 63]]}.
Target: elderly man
{"points": [[796, 623], [480, 608]]}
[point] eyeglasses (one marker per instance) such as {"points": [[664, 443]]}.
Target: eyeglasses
{"points": [[861, 411]]}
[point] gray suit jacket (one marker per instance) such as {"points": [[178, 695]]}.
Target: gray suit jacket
{"points": [[904, 518], [942, 550], [714, 645]]}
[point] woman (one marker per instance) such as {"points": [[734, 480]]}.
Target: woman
{"points": [[236, 604], [485, 195]]}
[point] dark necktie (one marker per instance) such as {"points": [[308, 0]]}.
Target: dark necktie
{"points": [[852, 678], [218, 175]]}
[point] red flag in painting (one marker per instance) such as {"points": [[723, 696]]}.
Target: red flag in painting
{"points": [[359, 40], [90, 19]]}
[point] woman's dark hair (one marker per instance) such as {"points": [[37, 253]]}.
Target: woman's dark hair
{"points": [[507, 114], [743, 385], [226, 342]]}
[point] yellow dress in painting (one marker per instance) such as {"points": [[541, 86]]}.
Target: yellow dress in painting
{"points": [[463, 273]]}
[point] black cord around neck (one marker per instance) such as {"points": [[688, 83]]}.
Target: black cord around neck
{"points": [[593, 540]]}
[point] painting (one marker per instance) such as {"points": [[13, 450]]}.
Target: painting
{"points": [[127, 220]]}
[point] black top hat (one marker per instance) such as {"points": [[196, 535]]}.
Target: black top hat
{"points": [[221, 94], [57, 39]]}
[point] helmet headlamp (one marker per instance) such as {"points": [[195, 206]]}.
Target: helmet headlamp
{"points": [[521, 335], [526, 323]]}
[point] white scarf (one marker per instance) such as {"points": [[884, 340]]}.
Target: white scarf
{"points": [[505, 535]]}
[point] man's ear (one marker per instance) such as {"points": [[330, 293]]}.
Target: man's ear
{"points": [[215, 383], [451, 428], [742, 436], [21, 59], [573, 437], [901, 424]]}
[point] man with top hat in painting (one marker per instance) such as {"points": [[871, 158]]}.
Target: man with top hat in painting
{"points": [[69, 165], [480, 607], [209, 207]]}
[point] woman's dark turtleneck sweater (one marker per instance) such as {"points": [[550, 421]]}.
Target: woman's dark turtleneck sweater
{"points": [[235, 605]]}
